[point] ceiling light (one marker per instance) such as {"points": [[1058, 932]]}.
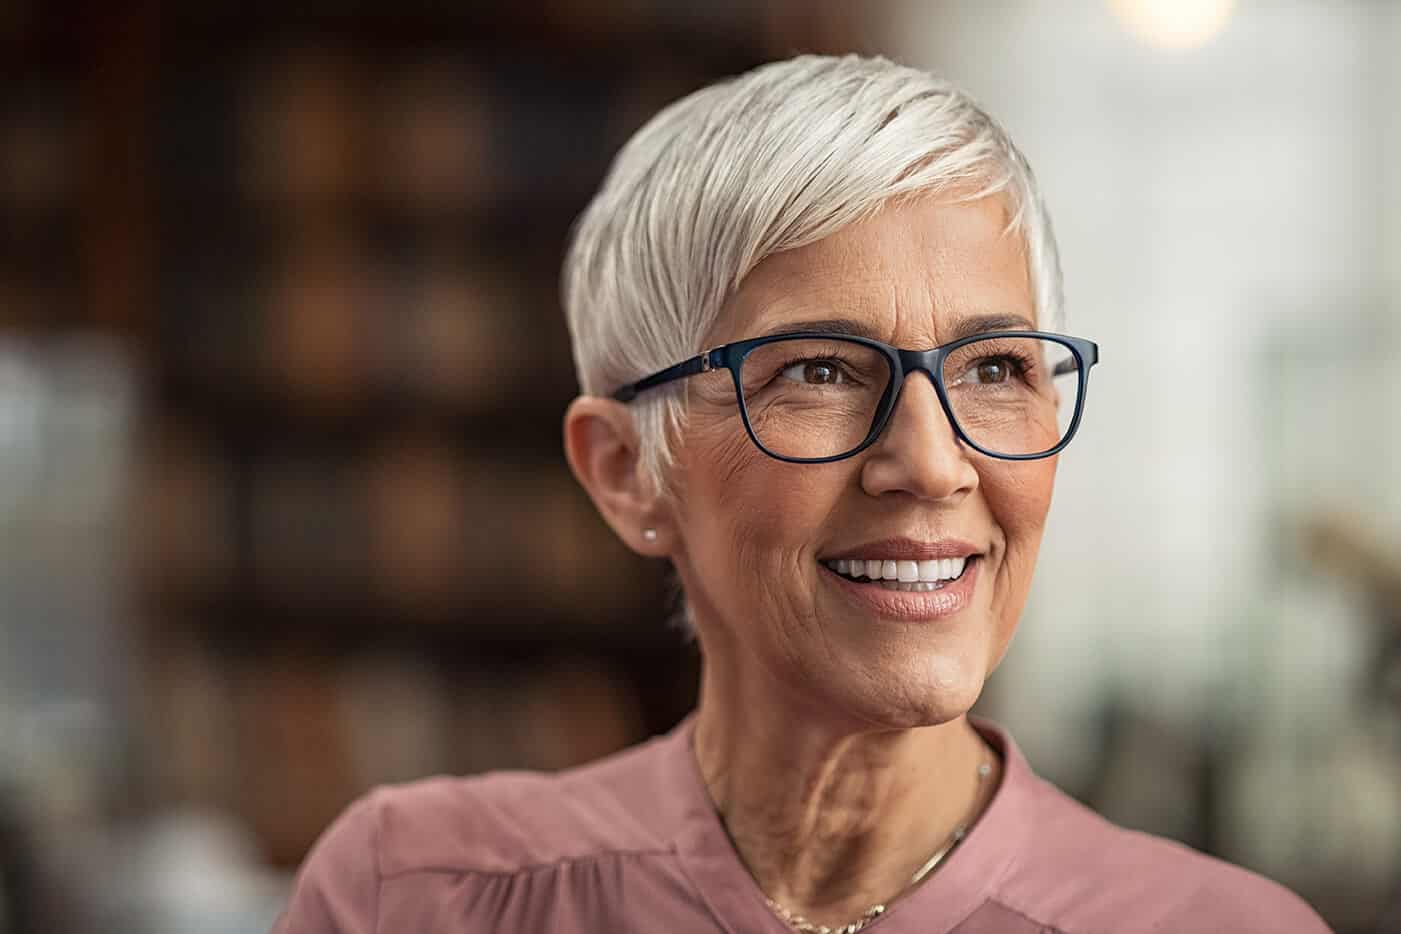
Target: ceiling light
{"points": [[1174, 24]]}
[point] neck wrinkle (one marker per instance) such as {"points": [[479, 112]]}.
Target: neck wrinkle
{"points": [[830, 818]]}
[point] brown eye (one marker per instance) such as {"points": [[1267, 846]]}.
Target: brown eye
{"points": [[814, 373], [992, 371]]}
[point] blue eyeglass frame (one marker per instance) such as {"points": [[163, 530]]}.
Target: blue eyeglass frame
{"points": [[902, 363]]}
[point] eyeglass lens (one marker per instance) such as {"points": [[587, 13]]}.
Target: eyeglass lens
{"points": [[813, 398]]}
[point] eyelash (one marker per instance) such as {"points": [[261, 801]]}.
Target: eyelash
{"points": [[818, 358], [1020, 362]]}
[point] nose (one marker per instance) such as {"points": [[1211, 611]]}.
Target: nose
{"points": [[919, 452]]}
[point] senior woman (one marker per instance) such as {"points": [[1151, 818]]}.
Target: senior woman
{"points": [[815, 313]]}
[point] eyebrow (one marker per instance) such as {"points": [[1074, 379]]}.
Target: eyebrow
{"points": [[849, 327]]}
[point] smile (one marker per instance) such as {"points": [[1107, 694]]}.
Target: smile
{"points": [[906, 576]]}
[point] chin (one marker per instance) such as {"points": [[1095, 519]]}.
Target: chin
{"points": [[937, 706], [923, 689]]}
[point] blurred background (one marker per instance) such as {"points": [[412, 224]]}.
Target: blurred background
{"points": [[283, 512]]}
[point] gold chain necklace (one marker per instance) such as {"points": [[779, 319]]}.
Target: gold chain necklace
{"points": [[803, 926]]}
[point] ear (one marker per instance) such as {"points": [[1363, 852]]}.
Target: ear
{"points": [[602, 447]]}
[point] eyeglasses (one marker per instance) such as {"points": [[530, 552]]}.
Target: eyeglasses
{"points": [[811, 397]]}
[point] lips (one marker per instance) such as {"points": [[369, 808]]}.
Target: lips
{"points": [[907, 579], [906, 549]]}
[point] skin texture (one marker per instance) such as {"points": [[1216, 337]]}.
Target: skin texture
{"points": [[834, 742]]}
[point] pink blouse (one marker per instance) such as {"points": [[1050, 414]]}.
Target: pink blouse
{"points": [[632, 843]]}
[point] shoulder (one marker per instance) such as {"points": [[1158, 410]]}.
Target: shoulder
{"points": [[501, 822], [504, 822], [1083, 873], [493, 824], [337, 888]]}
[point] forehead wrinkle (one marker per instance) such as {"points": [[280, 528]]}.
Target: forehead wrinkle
{"points": [[817, 282], [914, 278], [966, 279]]}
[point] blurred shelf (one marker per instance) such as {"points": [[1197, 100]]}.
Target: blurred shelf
{"points": [[331, 235], [37, 36], [243, 627], [531, 218], [249, 424], [615, 33]]}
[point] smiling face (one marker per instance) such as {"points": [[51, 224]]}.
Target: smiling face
{"points": [[761, 541]]}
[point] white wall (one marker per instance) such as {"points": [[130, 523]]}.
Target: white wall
{"points": [[1205, 201]]}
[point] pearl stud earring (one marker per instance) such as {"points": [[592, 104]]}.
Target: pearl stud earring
{"points": [[649, 535]]}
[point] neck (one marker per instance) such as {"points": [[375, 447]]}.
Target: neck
{"points": [[833, 817]]}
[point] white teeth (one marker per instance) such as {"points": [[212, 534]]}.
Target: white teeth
{"points": [[936, 570]]}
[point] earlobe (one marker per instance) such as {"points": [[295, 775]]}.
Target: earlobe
{"points": [[602, 447]]}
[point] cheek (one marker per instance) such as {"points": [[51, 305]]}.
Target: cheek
{"points": [[724, 529], [745, 511], [1019, 497]]}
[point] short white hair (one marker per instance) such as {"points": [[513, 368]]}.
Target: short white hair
{"points": [[767, 161]]}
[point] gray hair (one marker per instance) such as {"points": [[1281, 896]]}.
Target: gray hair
{"points": [[767, 161]]}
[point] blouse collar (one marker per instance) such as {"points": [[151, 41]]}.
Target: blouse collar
{"points": [[966, 878]]}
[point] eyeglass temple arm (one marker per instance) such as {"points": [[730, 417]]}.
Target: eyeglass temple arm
{"points": [[1090, 352], [697, 364]]}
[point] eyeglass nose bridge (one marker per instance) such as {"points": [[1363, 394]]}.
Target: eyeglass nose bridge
{"points": [[914, 361], [930, 363]]}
